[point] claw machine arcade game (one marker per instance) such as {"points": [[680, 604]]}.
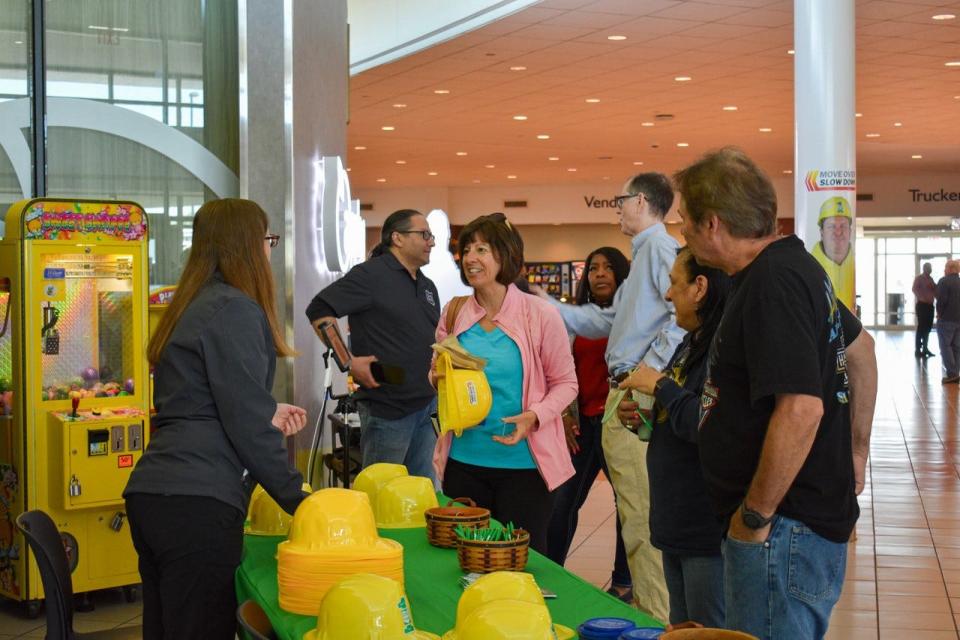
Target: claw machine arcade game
{"points": [[73, 369]]}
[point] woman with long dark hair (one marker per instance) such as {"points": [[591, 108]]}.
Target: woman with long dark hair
{"points": [[605, 269], [683, 525], [217, 432]]}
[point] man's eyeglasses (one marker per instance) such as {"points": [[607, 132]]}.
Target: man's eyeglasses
{"points": [[426, 234], [619, 200], [273, 239]]}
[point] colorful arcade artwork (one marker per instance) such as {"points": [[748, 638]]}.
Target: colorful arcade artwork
{"points": [[51, 220]]}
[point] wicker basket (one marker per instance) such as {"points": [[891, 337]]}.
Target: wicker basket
{"points": [[441, 521], [479, 556]]}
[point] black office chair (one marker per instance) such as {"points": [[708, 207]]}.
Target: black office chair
{"points": [[254, 622], [47, 547]]}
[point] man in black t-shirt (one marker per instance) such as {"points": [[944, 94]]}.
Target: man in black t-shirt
{"points": [[775, 429]]}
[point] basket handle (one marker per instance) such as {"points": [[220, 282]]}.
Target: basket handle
{"points": [[466, 501]]}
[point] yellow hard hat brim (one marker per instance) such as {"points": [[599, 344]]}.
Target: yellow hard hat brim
{"points": [[416, 635], [253, 532], [563, 633]]}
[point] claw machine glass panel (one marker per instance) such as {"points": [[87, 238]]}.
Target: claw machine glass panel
{"points": [[78, 374]]}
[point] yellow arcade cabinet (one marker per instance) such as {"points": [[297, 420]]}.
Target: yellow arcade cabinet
{"points": [[73, 384]]}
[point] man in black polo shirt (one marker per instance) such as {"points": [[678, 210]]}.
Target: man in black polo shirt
{"points": [[393, 311], [775, 430]]}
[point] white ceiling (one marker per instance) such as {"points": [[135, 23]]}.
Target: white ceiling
{"points": [[735, 51]]}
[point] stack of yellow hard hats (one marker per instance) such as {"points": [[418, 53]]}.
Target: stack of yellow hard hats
{"points": [[366, 606], [505, 604], [333, 535], [265, 517], [463, 396], [399, 500]]}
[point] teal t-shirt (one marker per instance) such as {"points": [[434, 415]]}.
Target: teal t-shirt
{"points": [[504, 372]]}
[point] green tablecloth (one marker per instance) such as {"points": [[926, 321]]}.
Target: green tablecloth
{"points": [[431, 579]]}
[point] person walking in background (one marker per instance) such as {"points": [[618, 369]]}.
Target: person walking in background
{"points": [[217, 432], [393, 310], [606, 269], [948, 321], [513, 461], [924, 290], [641, 328], [683, 525]]}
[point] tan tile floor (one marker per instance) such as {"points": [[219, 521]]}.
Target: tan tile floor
{"points": [[903, 572]]}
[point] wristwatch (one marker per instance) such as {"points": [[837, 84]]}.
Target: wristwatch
{"points": [[662, 380], [753, 519]]}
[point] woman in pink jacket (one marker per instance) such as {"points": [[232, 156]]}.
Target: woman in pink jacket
{"points": [[512, 461]]}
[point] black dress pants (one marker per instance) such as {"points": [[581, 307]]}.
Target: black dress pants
{"points": [[512, 495], [924, 325], [189, 548]]}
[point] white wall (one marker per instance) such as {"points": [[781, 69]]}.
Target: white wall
{"points": [[566, 204], [384, 30]]}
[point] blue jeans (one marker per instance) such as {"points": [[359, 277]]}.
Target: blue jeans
{"points": [[948, 334], [695, 584], [571, 495], [785, 587], [409, 440]]}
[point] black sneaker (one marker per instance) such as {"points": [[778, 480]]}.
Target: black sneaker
{"points": [[626, 596], [929, 354], [949, 379]]}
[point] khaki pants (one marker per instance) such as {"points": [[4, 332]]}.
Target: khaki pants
{"points": [[626, 457]]}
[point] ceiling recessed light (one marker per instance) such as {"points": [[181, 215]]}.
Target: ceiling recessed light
{"points": [[873, 135], [553, 158], [858, 115], [348, 169], [916, 156], [519, 117], [683, 144], [944, 16], [489, 166], [616, 38], [401, 161], [790, 52], [18, 42], [461, 153], [381, 179], [592, 100], [637, 163], [730, 107], [765, 129], [909, 217], [788, 171], [399, 105], [441, 92], [571, 169], [475, 181], [511, 177], [543, 136], [952, 63], [646, 124], [431, 173], [388, 128], [360, 147], [683, 78], [606, 177], [518, 68]]}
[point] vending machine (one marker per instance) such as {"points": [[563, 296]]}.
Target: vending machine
{"points": [[556, 278], [73, 368]]}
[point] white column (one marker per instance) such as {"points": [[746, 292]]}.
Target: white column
{"points": [[825, 136]]}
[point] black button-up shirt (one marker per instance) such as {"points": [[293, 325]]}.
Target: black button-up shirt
{"points": [[393, 317]]}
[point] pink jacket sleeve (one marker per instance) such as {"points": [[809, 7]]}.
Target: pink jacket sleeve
{"points": [[559, 372]]}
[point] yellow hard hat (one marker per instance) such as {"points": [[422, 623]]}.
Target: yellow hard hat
{"points": [[463, 396], [333, 518], [834, 207], [375, 476], [265, 516], [366, 606], [402, 501], [505, 620], [502, 585]]}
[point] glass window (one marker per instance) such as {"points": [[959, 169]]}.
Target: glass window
{"points": [[163, 61], [866, 279], [933, 245], [14, 55], [901, 245]]}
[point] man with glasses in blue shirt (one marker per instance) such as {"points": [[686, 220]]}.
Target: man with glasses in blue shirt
{"points": [[393, 310], [642, 329]]}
